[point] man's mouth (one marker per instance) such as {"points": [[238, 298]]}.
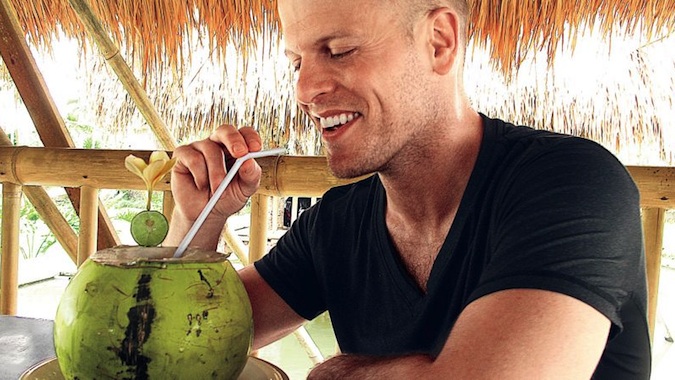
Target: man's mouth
{"points": [[334, 122]]}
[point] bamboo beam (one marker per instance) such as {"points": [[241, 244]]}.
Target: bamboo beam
{"points": [[29, 81], [653, 221], [111, 53], [88, 224], [48, 212], [39, 103], [656, 184], [297, 175], [9, 267], [102, 169], [257, 245], [282, 176]]}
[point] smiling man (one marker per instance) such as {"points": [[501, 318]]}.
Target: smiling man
{"points": [[478, 250]]}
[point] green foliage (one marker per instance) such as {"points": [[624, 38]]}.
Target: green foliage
{"points": [[125, 204], [35, 237]]}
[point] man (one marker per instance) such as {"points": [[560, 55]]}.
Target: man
{"points": [[480, 250]]}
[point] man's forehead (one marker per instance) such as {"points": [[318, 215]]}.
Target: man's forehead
{"points": [[291, 11], [318, 20]]}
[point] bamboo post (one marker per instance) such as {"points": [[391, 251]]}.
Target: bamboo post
{"points": [[11, 214], [309, 345], [653, 221], [111, 53], [235, 244], [48, 211], [275, 213], [258, 229], [168, 204], [294, 208], [88, 224]]}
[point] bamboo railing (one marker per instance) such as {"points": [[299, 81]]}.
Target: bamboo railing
{"points": [[91, 170]]}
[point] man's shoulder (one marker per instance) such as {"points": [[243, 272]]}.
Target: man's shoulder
{"points": [[524, 142], [504, 131]]}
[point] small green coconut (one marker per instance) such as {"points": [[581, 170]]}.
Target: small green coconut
{"points": [[138, 313]]}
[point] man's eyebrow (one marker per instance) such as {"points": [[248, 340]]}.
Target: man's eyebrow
{"points": [[320, 42], [288, 53]]}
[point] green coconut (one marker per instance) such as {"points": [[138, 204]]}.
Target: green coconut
{"points": [[137, 313]]}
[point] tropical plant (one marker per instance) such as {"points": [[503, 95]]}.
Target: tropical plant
{"points": [[35, 237]]}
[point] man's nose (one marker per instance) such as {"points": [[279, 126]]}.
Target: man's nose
{"points": [[313, 80]]}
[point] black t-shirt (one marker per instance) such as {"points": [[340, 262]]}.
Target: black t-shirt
{"points": [[541, 210]]}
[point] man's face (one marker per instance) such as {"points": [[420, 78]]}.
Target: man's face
{"points": [[359, 77]]}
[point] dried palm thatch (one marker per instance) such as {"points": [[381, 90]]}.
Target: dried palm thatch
{"points": [[624, 99], [159, 32], [183, 52]]}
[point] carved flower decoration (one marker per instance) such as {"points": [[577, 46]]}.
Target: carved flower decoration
{"points": [[152, 172], [148, 227]]}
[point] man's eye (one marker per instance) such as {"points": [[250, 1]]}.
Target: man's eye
{"points": [[341, 54], [296, 66]]}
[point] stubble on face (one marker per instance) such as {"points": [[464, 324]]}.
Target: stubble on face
{"points": [[400, 128], [386, 88]]}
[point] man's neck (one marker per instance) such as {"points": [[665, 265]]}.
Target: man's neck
{"points": [[427, 193]]}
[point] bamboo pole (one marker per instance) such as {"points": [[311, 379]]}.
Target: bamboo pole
{"points": [[294, 209], [48, 212], [9, 273], [297, 175], [236, 245], [276, 202], [309, 345], [282, 176], [29, 81], [257, 244], [656, 184], [88, 224], [111, 53], [168, 204], [39, 103], [653, 221]]}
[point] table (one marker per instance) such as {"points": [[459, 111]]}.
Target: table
{"points": [[24, 342]]}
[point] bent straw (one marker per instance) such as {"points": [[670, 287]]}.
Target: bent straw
{"points": [[216, 195]]}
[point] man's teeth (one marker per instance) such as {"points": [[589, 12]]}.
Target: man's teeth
{"points": [[337, 120]]}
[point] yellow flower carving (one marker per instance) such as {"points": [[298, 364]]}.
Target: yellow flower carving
{"points": [[152, 172]]}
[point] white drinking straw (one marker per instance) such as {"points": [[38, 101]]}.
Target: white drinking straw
{"points": [[216, 195]]}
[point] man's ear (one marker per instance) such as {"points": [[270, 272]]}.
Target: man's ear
{"points": [[444, 39]]}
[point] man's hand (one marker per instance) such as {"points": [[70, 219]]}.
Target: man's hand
{"points": [[199, 169]]}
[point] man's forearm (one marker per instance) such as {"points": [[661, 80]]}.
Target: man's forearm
{"points": [[207, 237], [370, 367]]}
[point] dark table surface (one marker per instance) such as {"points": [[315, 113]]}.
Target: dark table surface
{"points": [[24, 342]]}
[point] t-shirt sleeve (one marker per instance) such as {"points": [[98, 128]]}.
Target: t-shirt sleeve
{"points": [[568, 221], [289, 267]]}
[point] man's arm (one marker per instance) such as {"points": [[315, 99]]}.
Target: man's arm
{"points": [[510, 334], [272, 317]]}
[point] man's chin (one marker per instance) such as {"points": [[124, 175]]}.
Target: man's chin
{"points": [[346, 170]]}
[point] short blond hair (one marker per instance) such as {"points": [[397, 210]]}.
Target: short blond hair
{"points": [[414, 9]]}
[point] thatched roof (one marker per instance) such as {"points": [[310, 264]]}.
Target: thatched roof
{"points": [[183, 52], [163, 31]]}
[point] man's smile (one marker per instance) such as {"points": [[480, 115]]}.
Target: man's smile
{"points": [[336, 121]]}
